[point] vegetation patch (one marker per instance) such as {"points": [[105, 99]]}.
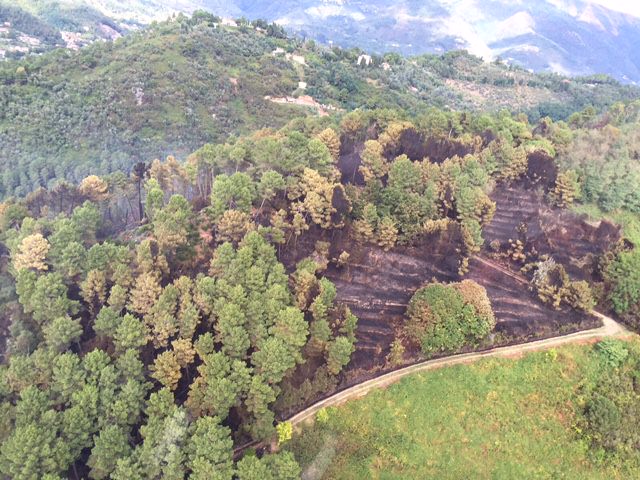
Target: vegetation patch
{"points": [[535, 417], [446, 318]]}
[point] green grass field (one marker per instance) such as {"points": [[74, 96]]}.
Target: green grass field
{"points": [[495, 419]]}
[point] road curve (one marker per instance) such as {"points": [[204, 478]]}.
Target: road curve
{"points": [[609, 328]]}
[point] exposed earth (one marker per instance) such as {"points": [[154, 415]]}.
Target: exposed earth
{"points": [[377, 285]]}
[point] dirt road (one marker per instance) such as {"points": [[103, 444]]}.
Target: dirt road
{"points": [[610, 328]]}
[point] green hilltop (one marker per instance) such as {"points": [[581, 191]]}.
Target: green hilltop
{"points": [[178, 84]]}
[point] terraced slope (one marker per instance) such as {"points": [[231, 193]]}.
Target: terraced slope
{"points": [[377, 287], [520, 315], [570, 239]]}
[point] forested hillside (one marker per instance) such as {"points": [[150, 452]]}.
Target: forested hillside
{"points": [[187, 81], [157, 320], [574, 37], [33, 27], [205, 228]]}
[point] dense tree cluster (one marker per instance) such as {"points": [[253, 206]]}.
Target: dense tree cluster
{"points": [[402, 197], [445, 318], [100, 110], [132, 352], [553, 286], [603, 156]]}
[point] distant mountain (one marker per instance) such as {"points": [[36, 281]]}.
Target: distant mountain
{"points": [[571, 37], [30, 26], [564, 36], [175, 85]]}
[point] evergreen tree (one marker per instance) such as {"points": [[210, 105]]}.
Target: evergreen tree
{"points": [[32, 253], [145, 293], [339, 354], [172, 225], [566, 189], [210, 450], [387, 233], [332, 141], [111, 444], [61, 333], [166, 369]]}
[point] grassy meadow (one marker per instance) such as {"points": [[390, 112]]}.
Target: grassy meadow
{"points": [[495, 419]]}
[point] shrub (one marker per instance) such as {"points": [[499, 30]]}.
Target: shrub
{"points": [[603, 418], [322, 416], [613, 352], [623, 274], [285, 432], [445, 318]]}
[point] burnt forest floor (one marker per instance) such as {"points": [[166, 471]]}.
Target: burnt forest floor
{"points": [[377, 285]]}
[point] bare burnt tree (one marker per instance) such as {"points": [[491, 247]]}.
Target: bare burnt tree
{"points": [[139, 174]]}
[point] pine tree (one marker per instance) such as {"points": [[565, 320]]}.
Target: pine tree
{"points": [[184, 352], [61, 333], [71, 261], [210, 450], [566, 189], [387, 233], [110, 445], [68, 376], [273, 360], [260, 395], [339, 354], [161, 319], [233, 226], [130, 333], [332, 141], [94, 290], [94, 188], [145, 293], [155, 199], [32, 253], [44, 297], [291, 327], [235, 192], [374, 165], [166, 369], [363, 231], [271, 182], [34, 450], [172, 225], [231, 331], [118, 297], [221, 384]]}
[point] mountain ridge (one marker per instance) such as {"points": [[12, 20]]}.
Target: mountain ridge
{"points": [[570, 37]]}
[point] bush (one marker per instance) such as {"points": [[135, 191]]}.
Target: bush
{"points": [[445, 318], [322, 416], [613, 352], [603, 418], [623, 274], [285, 432]]}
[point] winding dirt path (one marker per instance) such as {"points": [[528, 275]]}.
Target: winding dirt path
{"points": [[609, 328]]}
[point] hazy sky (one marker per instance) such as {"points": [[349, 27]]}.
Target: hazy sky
{"points": [[627, 6]]}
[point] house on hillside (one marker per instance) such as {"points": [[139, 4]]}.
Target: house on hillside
{"points": [[365, 59]]}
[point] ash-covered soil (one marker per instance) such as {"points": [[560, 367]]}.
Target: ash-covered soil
{"points": [[378, 285], [522, 214]]}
